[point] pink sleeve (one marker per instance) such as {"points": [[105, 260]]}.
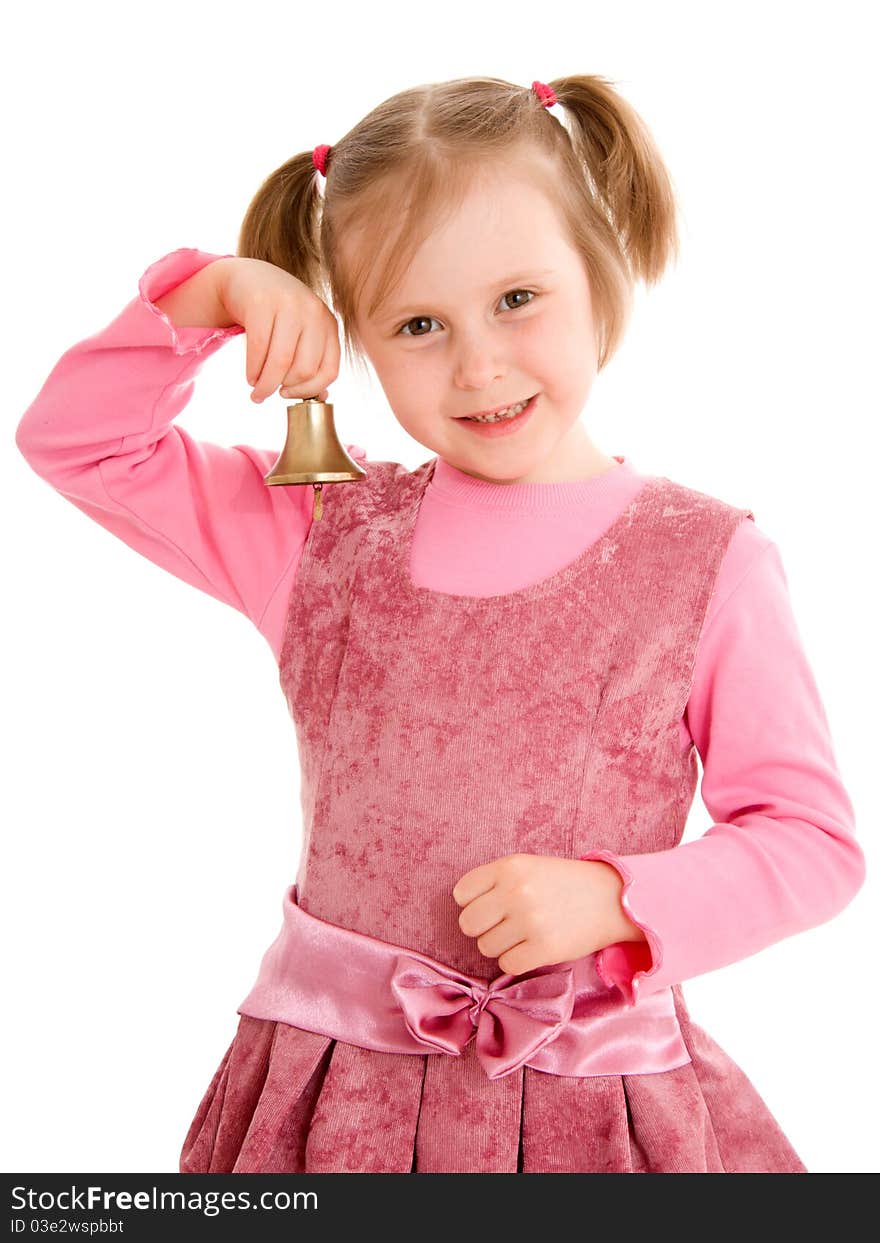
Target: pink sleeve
{"points": [[101, 432], [781, 855]]}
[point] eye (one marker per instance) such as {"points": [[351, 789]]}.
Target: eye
{"points": [[418, 319], [427, 319], [518, 291]]}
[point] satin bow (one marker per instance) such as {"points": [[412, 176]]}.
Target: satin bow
{"points": [[511, 1018]]}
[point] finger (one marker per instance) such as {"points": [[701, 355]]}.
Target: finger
{"points": [[482, 914], [333, 355], [477, 881], [521, 958], [308, 372], [503, 937], [327, 369], [325, 373], [259, 333], [266, 344], [285, 342]]}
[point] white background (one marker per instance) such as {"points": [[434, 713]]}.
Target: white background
{"points": [[151, 817]]}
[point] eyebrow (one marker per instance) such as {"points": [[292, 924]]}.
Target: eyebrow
{"points": [[507, 281]]}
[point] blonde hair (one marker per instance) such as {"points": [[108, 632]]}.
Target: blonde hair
{"points": [[410, 161]]}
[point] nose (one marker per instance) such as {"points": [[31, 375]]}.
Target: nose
{"points": [[477, 362]]}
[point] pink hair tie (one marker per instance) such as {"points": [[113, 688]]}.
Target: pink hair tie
{"points": [[320, 156], [545, 93]]}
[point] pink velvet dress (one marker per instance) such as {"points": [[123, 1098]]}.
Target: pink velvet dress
{"points": [[435, 733]]}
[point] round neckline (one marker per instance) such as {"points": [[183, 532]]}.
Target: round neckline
{"points": [[562, 577], [451, 486]]}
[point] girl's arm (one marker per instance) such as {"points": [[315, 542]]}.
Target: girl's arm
{"points": [[781, 856], [101, 433]]}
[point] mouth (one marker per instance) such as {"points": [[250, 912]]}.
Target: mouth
{"points": [[499, 413], [505, 420]]}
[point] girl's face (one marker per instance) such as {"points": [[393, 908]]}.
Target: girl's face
{"points": [[494, 309]]}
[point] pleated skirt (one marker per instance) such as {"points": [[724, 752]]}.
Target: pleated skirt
{"points": [[284, 1100]]}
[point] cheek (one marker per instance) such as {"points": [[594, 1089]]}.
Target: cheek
{"points": [[549, 346], [409, 386], [403, 370], [394, 374]]}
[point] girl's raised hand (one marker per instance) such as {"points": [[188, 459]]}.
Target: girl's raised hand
{"points": [[292, 335]]}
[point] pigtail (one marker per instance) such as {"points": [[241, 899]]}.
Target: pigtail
{"points": [[625, 170], [282, 222]]}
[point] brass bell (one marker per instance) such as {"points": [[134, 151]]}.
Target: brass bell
{"points": [[312, 453]]}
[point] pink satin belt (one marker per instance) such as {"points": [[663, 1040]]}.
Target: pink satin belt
{"points": [[562, 1019]]}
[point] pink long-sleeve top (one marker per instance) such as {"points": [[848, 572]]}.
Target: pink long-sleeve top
{"points": [[780, 856]]}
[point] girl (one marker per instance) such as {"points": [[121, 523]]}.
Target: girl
{"points": [[500, 666]]}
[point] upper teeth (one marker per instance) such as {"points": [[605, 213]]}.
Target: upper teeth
{"points": [[501, 414]]}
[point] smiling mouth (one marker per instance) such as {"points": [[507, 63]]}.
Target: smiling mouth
{"points": [[499, 415]]}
